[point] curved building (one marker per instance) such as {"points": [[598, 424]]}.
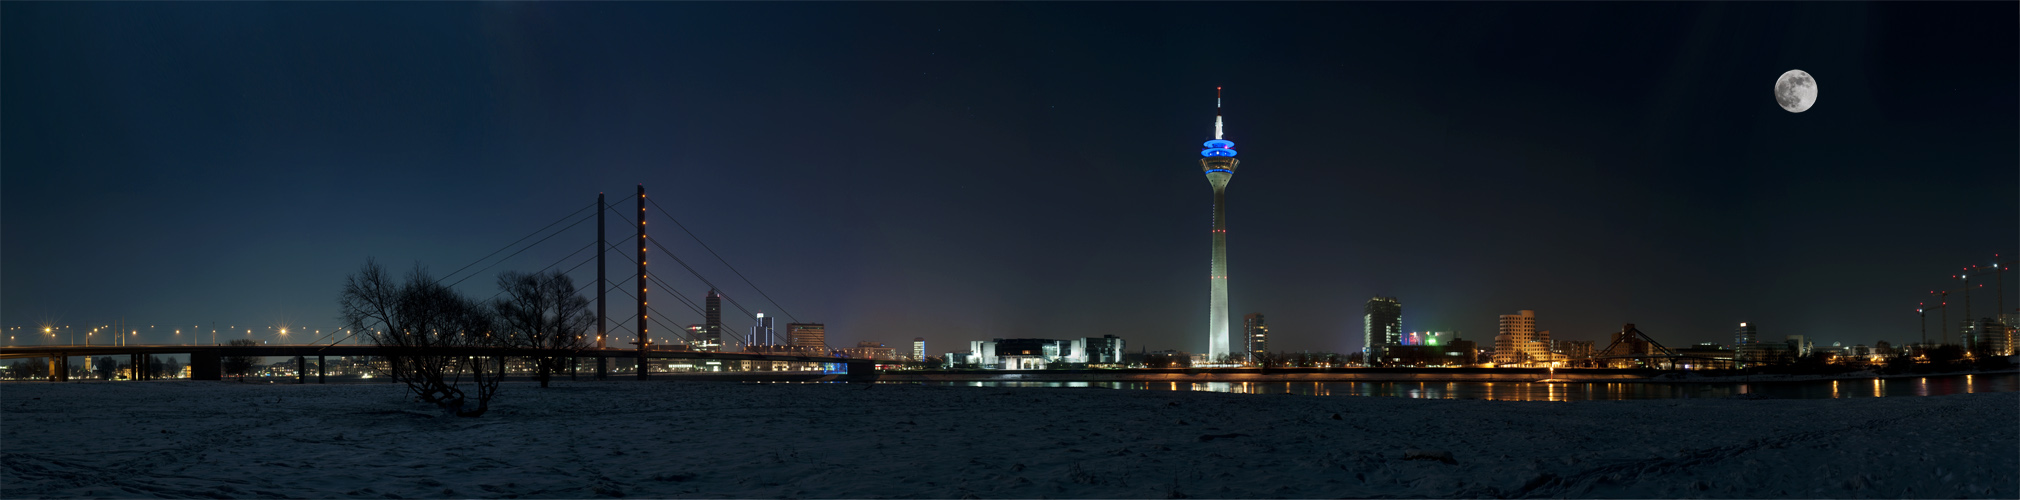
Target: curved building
{"points": [[1219, 164]]}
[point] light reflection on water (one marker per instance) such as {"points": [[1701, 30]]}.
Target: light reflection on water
{"points": [[1571, 391]]}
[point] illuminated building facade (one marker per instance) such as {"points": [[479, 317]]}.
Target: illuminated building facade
{"points": [[1426, 338], [919, 349], [1382, 326], [761, 331], [1255, 336], [1037, 354], [807, 334], [1519, 343], [1219, 164]]}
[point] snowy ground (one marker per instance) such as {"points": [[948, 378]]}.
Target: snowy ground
{"points": [[698, 439]]}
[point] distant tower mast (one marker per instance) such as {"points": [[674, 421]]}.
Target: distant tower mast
{"points": [[1219, 164]]}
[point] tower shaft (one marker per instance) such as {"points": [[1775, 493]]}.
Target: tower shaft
{"points": [[1217, 316], [601, 281], [644, 338]]}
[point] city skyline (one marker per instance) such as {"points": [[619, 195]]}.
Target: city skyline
{"points": [[1649, 180]]}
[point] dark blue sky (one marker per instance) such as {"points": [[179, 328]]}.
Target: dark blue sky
{"points": [[967, 171]]}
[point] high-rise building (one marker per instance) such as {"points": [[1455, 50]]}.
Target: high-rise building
{"points": [[918, 349], [711, 334], [1746, 343], [1381, 327], [807, 334], [1255, 336], [1219, 164], [761, 331], [1519, 343]]}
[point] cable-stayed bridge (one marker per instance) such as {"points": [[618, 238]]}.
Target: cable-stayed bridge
{"points": [[643, 337]]}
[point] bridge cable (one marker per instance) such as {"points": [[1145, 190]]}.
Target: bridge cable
{"points": [[704, 280], [564, 218], [725, 263], [522, 250]]}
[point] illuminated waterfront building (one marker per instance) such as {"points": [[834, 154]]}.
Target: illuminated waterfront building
{"points": [[1219, 164], [919, 349], [1519, 343], [807, 334], [1037, 354], [1382, 326], [1255, 337]]}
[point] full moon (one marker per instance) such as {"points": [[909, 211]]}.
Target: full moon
{"points": [[1796, 91]]}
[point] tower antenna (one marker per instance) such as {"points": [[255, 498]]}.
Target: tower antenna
{"points": [[1216, 114]]}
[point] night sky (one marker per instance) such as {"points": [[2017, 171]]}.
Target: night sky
{"points": [[967, 171]]}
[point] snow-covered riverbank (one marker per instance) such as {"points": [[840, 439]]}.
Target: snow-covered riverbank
{"points": [[688, 439]]}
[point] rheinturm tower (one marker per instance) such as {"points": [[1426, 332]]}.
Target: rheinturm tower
{"points": [[1219, 164]]}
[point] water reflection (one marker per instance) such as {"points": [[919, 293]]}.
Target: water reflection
{"points": [[1569, 391]]}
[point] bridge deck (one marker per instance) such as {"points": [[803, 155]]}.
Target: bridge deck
{"points": [[366, 350]]}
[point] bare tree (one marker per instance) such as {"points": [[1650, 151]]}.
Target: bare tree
{"points": [[542, 311], [107, 367], [416, 324], [239, 365]]}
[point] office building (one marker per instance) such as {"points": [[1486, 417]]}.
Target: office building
{"points": [[1255, 338], [807, 334], [1574, 352], [1746, 342], [711, 334], [1519, 343], [761, 331], [1992, 337], [919, 349], [1106, 349], [1382, 326], [1219, 164]]}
